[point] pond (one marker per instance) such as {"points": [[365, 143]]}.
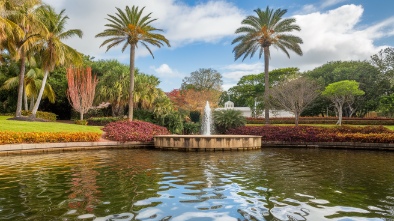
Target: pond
{"points": [[269, 184]]}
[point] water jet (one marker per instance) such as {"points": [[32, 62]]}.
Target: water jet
{"points": [[207, 141]]}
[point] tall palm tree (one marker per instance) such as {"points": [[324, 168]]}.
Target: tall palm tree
{"points": [[26, 32], [260, 32], [52, 50], [131, 27]]}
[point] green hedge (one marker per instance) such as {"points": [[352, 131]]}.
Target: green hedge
{"points": [[324, 120]]}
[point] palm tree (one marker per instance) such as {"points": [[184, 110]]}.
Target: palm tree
{"points": [[259, 33], [26, 32], [52, 50], [131, 27]]}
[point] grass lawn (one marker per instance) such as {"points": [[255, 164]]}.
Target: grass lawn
{"points": [[28, 126]]}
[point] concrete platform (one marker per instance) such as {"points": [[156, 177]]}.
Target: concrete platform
{"points": [[207, 143]]}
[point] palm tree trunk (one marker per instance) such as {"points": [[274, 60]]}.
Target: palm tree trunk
{"points": [[18, 112], [266, 85], [131, 90], [35, 108], [31, 103], [25, 96]]}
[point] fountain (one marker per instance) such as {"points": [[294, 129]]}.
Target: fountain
{"points": [[207, 141]]}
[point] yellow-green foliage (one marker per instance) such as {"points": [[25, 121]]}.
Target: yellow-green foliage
{"points": [[40, 114], [9, 137]]}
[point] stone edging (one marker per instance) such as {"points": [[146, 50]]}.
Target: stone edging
{"points": [[12, 149], [331, 145]]}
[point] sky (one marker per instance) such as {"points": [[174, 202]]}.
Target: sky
{"points": [[200, 33]]}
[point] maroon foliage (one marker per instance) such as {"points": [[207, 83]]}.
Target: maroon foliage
{"points": [[370, 134], [133, 131]]}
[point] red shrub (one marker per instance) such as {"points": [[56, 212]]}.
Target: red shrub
{"points": [[370, 134], [133, 131]]}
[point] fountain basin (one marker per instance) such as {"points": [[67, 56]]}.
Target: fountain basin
{"points": [[207, 142]]}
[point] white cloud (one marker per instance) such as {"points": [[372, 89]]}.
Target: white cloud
{"points": [[165, 71], [328, 3], [181, 23], [332, 36], [232, 73]]}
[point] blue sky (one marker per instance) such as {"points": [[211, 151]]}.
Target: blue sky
{"points": [[200, 33]]}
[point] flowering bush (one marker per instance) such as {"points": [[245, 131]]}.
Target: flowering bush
{"points": [[9, 137], [133, 131]]}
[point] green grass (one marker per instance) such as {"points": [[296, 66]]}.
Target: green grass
{"points": [[28, 126]]}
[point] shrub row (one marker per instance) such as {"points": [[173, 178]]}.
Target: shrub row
{"points": [[371, 134], [102, 121], [42, 115], [133, 131], [324, 120], [9, 137]]}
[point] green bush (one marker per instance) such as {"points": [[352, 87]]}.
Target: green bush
{"points": [[191, 128], [81, 122], [41, 114], [195, 116], [227, 119], [102, 121], [173, 122], [144, 115]]}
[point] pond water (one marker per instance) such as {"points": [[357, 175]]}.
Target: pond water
{"points": [[271, 184]]}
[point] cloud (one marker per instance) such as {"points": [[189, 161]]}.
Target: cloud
{"points": [[233, 72], [334, 35], [165, 71], [182, 24]]}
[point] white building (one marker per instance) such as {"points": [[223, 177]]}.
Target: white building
{"points": [[247, 112]]}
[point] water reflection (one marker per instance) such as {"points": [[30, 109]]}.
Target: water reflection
{"points": [[273, 184]]}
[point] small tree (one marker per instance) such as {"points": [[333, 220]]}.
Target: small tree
{"points": [[81, 89], [342, 92], [295, 95]]}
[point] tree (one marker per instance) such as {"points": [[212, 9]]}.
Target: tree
{"points": [[52, 50], [28, 30], [81, 89], [384, 61], [371, 81], [250, 88], [113, 86], [203, 79], [295, 95], [261, 32], [341, 93], [131, 27], [386, 105]]}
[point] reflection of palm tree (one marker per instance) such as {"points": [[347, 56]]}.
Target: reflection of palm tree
{"points": [[131, 27], [261, 32], [53, 51]]}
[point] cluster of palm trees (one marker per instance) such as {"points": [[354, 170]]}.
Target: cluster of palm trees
{"points": [[32, 31]]}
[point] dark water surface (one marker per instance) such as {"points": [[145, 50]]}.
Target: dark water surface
{"points": [[272, 184]]}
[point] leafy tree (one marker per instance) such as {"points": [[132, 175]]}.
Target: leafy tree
{"points": [[203, 79], [371, 81], [384, 61], [113, 86], [250, 88], [81, 89], [260, 32], [341, 93], [295, 95], [131, 27], [53, 51], [386, 105], [28, 30], [227, 119]]}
